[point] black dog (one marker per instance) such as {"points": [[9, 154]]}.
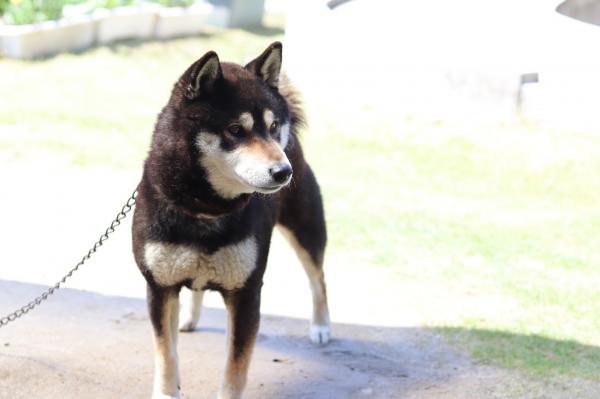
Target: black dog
{"points": [[217, 180]]}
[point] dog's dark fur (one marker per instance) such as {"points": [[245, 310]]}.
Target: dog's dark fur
{"points": [[183, 216]]}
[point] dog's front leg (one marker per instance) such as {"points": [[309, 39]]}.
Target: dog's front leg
{"points": [[163, 305], [243, 308]]}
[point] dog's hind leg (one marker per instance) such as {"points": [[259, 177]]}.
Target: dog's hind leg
{"points": [[190, 310], [320, 329], [163, 305], [243, 309], [302, 223]]}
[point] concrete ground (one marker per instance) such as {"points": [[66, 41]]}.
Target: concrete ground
{"points": [[82, 344], [93, 340]]}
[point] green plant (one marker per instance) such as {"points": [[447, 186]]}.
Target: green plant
{"points": [[175, 3], [113, 3], [3, 6], [20, 12], [31, 11]]}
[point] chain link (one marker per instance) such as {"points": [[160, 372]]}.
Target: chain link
{"points": [[25, 309]]}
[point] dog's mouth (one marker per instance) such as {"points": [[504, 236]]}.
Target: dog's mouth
{"points": [[273, 188]]}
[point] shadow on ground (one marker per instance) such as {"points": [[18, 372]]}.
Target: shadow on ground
{"points": [[81, 344]]}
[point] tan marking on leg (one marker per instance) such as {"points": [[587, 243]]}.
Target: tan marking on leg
{"points": [[236, 369], [320, 324], [166, 372], [190, 312], [174, 319]]}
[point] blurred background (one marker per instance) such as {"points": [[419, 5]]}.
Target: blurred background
{"points": [[456, 143]]}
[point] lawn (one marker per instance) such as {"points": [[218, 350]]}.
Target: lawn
{"points": [[496, 225]]}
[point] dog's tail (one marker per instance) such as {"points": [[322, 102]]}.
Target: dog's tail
{"points": [[294, 101]]}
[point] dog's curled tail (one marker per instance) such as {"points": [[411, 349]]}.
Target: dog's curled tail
{"points": [[294, 101]]}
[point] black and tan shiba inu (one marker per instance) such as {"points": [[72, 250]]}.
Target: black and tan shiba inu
{"points": [[225, 167]]}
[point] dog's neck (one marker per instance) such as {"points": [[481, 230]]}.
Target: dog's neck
{"points": [[194, 197]]}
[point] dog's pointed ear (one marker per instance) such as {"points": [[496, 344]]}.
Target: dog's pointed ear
{"points": [[267, 66], [204, 74]]}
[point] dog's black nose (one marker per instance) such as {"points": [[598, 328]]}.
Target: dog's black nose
{"points": [[281, 172]]}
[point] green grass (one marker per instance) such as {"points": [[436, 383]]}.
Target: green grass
{"points": [[100, 106], [536, 354], [503, 238], [495, 227]]}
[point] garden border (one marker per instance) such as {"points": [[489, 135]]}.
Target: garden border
{"points": [[105, 26]]}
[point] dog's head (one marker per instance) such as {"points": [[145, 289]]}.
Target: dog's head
{"points": [[235, 123]]}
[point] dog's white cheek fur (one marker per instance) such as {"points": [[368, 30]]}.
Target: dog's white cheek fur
{"points": [[236, 172], [229, 267], [284, 136], [219, 166]]}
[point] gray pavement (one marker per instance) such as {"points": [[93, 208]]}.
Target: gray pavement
{"points": [[87, 345]]}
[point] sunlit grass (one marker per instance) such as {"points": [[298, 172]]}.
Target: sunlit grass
{"points": [[497, 225], [505, 236], [100, 106]]}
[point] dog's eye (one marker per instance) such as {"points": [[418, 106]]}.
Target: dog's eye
{"points": [[274, 127], [235, 130]]}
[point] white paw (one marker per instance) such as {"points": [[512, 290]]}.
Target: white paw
{"points": [[320, 334], [187, 325]]}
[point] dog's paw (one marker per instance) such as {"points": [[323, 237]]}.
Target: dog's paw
{"points": [[320, 334], [187, 325]]}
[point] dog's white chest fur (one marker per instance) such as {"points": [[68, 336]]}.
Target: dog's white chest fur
{"points": [[229, 267]]}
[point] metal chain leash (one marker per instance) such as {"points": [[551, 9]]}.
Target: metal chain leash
{"points": [[34, 303]]}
